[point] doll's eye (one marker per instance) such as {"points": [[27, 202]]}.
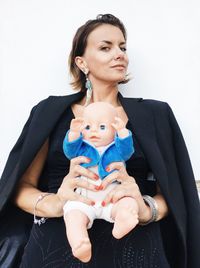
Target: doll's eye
{"points": [[102, 127], [87, 127]]}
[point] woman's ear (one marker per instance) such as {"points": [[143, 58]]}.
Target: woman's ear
{"points": [[81, 63]]}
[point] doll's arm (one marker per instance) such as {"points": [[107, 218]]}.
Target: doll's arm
{"points": [[125, 146], [76, 127], [72, 148], [120, 127]]}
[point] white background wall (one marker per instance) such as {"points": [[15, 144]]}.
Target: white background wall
{"points": [[163, 47]]}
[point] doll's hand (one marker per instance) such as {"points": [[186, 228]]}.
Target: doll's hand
{"points": [[77, 124], [76, 127], [120, 127]]}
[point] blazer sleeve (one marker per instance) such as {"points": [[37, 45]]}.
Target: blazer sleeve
{"points": [[190, 193], [14, 153], [12, 161]]}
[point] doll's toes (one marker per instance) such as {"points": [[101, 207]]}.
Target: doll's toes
{"points": [[83, 251]]}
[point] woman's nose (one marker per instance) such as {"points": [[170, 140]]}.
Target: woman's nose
{"points": [[119, 54]]}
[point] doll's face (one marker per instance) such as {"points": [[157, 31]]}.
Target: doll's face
{"points": [[98, 117]]}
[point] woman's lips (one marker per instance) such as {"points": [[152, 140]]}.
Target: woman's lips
{"points": [[119, 67]]}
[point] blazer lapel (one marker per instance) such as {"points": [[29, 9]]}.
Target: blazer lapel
{"points": [[144, 128], [44, 120]]}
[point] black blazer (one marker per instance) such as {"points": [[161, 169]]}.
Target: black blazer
{"points": [[160, 138]]}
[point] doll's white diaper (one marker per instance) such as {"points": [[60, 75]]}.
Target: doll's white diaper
{"points": [[92, 212]]}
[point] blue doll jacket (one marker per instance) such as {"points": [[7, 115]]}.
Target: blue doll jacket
{"points": [[120, 150]]}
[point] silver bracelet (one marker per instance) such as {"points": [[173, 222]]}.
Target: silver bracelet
{"points": [[42, 219], [151, 202]]}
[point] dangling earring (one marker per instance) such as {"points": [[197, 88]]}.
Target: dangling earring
{"points": [[88, 86]]}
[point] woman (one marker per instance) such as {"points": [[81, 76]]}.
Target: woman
{"points": [[167, 234]]}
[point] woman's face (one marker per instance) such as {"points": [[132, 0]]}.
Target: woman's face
{"points": [[105, 55]]}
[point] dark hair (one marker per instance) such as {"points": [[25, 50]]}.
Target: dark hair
{"points": [[80, 42]]}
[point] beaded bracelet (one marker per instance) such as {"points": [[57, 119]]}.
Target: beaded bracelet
{"points": [[151, 202], [42, 219]]}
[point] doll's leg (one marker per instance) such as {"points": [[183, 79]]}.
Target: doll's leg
{"points": [[76, 228], [125, 215]]}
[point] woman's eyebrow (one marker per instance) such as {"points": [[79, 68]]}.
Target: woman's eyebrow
{"points": [[110, 43]]}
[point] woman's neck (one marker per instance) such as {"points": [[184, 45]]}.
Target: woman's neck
{"points": [[109, 96], [105, 93]]}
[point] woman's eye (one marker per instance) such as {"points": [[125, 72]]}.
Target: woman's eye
{"points": [[87, 127], [123, 49], [102, 127], [105, 48]]}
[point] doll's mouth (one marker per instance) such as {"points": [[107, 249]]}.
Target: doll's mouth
{"points": [[94, 138]]}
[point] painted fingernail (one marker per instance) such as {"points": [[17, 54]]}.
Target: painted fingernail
{"points": [[108, 169], [96, 176], [96, 188], [92, 203], [100, 187], [88, 159], [103, 203]]}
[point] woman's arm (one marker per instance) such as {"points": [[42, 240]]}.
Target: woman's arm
{"points": [[27, 192], [52, 205], [162, 205], [162, 208]]}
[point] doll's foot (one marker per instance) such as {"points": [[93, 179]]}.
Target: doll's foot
{"points": [[125, 221], [83, 250]]}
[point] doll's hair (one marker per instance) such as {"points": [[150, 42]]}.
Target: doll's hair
{"points": [[80, 42]]}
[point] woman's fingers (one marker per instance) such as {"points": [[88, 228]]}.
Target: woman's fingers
{"points": [[115, 165], [73, 196], [114, 196], [108, 198], [83, 199], [81, 171], [120, 194], [77, 170], [130, 189], [79, 160], [109, 179], [82, 183], [119, 174], [66, 191]]}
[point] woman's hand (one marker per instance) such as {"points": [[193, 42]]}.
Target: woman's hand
{"points": [[72, 181], [127, 187]]}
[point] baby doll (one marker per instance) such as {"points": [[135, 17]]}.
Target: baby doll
{"points": [[102, 137]]}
